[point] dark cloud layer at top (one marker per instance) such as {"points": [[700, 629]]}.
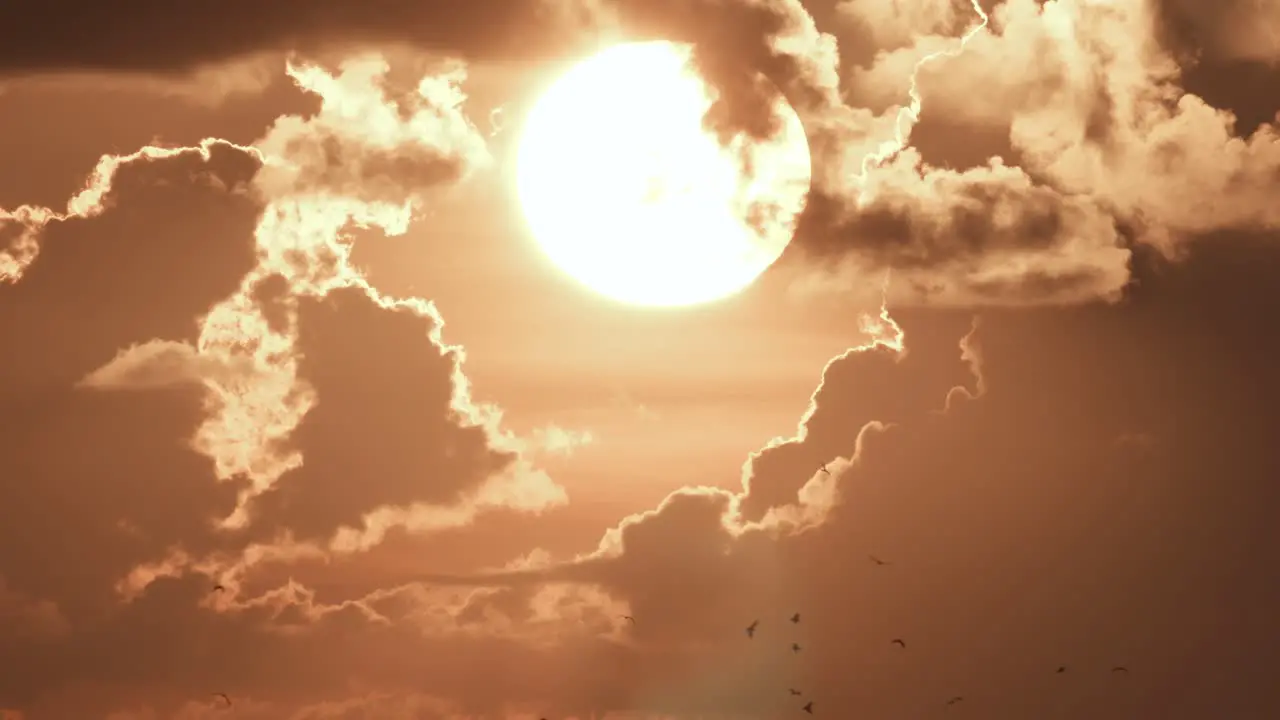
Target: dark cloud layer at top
{"points": [[161, 37], [732, 39]]}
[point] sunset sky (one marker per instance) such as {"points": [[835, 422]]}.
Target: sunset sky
{"points": [[298, 420]]}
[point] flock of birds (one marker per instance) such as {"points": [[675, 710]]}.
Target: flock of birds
{"points": [[795, 648], [899, 642], [751, 633]]}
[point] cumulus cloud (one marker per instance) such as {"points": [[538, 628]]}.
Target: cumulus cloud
{"points": [[788, 486], [287, 381], [984, 234], [1106, 144]]}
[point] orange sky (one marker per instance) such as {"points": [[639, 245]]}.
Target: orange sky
{"points": [[1060, 437]]}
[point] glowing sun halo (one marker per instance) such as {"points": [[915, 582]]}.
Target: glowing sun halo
{"points": [[625, 190]]}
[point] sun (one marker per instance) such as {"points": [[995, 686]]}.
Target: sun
{"points": [[625, 190]]}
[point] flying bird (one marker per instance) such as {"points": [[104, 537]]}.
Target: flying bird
{"points": [[496, 125], [218, 588], [628, 618], [1120, 669], [795, 647], [795, 691], [877, 560], [808, 707], [824, 469], [795, 618], [955, 700], [1061, 669], [224, 697], [751, 629], [899, 642]]}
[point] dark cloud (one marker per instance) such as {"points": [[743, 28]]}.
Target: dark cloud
{"points": [[155, 37], [90, 487], [388, 431], [1220, 31], [734, 40], [1228, 52], [735, 51], [142, 270], [154, 282], [989, 233]]}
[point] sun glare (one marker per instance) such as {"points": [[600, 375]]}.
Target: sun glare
{"points": [[625, 190]]}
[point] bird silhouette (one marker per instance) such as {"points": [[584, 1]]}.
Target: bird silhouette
{"points": [[795, 618], [824, 469], [795, 691], [224, 697], [628, 618], [751, 629], [1119, 669], [899, 642], [955, 700], [795, 647], [218, 588], [808, 707], [1061, 669], [876, 560]]}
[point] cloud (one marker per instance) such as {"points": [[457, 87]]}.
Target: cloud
{"points": [[429, 458], [25, 224], [431, 461], [784, 486], [1105, 149], [30, 617], [697, 567], [161, 41], [267, 374], [985, 234], [207, 86], [1240, 30], [555, 440], [159, 364]]}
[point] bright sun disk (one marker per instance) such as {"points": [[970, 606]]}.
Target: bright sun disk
{"points": [[626, 191]]}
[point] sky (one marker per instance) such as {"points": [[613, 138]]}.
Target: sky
{"points": [[293, 409]]}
